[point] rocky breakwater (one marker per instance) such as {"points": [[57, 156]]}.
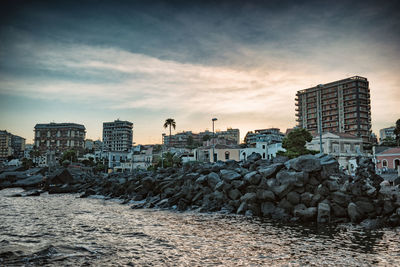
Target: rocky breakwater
{"points": [[307, 189]]}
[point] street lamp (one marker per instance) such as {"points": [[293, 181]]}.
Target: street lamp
{"points": [[213, 120]]}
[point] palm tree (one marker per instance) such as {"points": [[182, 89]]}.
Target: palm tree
{"points": [[168, 123]]}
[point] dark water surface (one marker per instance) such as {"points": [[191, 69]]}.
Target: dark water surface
{"points": [[60, 230]]}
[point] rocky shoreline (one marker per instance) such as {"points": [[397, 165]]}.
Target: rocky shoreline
{"points": [[305, 189]]}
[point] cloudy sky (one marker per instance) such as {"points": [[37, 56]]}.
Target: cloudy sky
{"points": [[239, 61]]}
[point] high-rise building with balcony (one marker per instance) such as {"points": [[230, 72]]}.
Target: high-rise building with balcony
{"points": [[60, 137], [342, 106], [117, 136]]}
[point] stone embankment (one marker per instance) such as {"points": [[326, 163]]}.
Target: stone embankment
{"points": [[307, 189]]}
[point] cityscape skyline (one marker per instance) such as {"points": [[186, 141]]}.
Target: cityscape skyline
{"points": [[239, 62]]}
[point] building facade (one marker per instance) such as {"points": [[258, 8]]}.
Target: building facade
{"points": [[387, 132], [5, 145], [388, 159], [117, 136], [60, 137], [18, 146], [342, 106], [188, 138], [270, 135], [344, 147]]}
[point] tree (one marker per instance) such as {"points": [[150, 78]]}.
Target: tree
{"points": [[206, 137], [169, 123], [69, 155], [388, 141], [295, 143], [397, 132]]}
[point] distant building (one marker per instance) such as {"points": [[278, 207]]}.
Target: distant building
{"points": [[117, 136], [344, 147], [222, 153], [387, 132], [264, 149], [388, 159], [18, 146], [270, 135], [27, 151], [11, 146], [5, 145], [89, 144], [60, 137], [342, 106], [188, 138]]}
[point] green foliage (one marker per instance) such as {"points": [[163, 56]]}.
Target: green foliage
{"points": [[65, 163], [100, 167], [206, 137], [397, 132], [295, 143], [157, 148], [168, 160], [34, 153], [388, 141], [169, 123], [69, 155]]}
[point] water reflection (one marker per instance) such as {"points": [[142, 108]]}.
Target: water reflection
{"points": [[55, 230]]}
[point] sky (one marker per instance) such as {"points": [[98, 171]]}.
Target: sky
{"points": [[242, 62]]}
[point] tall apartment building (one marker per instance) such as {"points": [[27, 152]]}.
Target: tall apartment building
{"points": [[60, 137], [11, 145], [117, 136], [342, 106], [5, 145]]}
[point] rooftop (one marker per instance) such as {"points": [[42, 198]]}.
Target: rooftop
{"points": [[59, 125]]}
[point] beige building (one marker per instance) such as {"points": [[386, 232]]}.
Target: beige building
{"points": [[221, 152], [60, 137], [344, 147]]}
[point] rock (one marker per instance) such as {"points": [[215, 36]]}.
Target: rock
{"points": [[371, 224], [306, 198], [265, 195], [229, 175], [201, 180], [254, 157], [329, 165], [249, 197], [322, 190], [324, 213], [267, 209], [293, 178], [338, 211], [365, 207], [332, 185], [252, 178], [354, 214], [242, 208], [304, 213], [234, 194], [306, 163], [281, 190], [280, 159], [388, 207], [239, 184], [62, 176], [293, 198], [31, 181], [220, 186], [286, 205], [270, 171], [340, 198], [148, 182], [315, 200], [213, 179]]}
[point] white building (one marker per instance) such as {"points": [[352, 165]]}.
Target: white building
{"points": [[117, 136], [344, 147], [264, 149]]}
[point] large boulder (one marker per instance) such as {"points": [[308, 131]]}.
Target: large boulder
{"points": [[293, 197], [270, 171], [229, 175], [213, 179], [62, 176], [234, 194], [324, 213], [265, 195], [354, 214], [329, 165], [304, 213], [252, 178], [306, 163], [249, 197], [292, 178], [267, 209], [31, 181]]}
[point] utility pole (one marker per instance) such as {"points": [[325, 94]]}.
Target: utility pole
{"points": [[213, 120]]}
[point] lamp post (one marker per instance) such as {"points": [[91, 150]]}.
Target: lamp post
{"points": [[213, 120]]}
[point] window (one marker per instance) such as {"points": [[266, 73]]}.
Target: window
{"points": [[263, 147], [263, 156], [227, 155], [384, 163]]}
